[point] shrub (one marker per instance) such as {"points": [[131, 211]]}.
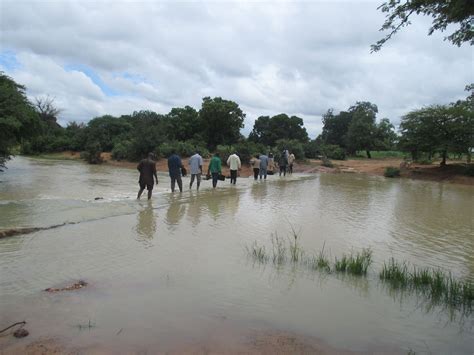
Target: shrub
{"points": [[92, 153], [391, 172], [424, 162], [121, 150], [333, 151]]}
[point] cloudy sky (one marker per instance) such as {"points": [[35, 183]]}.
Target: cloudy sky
{"points": [[297, 57]]}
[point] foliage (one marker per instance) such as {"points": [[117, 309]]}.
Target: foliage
{"points": [[92, 153], [332, 151], [443, 12], [268, 130], [313, 149], [294, 146], [438, 128], [362, 128], [18, 119], [391, 172], [221, 121], [183, 123], [335, 128], [121, 150], [105, 129]]}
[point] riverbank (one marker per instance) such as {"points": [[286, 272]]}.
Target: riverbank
{"points": [[451, 173]]}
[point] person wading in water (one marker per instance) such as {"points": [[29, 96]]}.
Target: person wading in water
{"points": [[147, 169]]}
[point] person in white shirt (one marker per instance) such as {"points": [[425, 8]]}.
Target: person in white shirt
{"points": [[291, 160], [195, 165], [234, 164]]}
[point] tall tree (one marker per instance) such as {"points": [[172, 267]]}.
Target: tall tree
{"points": [[458, 13], [183, 123], [385, 136], [439, 128], [221, 121], [362, 129], [335, 128], [268, 130], [18, 119]]}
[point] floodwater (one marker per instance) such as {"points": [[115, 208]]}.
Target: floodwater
{"points": [[175, 271]]}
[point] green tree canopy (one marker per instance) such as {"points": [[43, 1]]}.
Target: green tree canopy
{"points": [[268, 130], [459, 13], [105, 129], [183, 123], [362, 129], [18, 119], [439, 128], [221, 121], [335, 128]]}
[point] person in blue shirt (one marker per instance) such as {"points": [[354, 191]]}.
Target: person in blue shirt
{"points": [[174, 168]]}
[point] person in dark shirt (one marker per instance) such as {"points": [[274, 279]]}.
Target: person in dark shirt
{"points": [[174, 166], [147, 169]]}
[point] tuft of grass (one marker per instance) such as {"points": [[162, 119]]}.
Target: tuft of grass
{"points": [[258, 252], [296, 252], [341, 264], [356, 264], [279, 250], [359, 263], [322, 261], [396, 273], [421, 277]]}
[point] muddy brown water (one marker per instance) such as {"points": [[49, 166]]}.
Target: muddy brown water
{"points": [[174, 271]]}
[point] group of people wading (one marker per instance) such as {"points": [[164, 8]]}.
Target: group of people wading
{"points": [[262, 164]]}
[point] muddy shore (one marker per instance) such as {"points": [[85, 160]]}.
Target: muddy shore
{"points": [[451, 173]]}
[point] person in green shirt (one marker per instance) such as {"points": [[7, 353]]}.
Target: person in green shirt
{"points": [[215, 169]]}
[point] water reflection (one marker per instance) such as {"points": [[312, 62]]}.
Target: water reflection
{"points": [[146, 224], [175, 211]]}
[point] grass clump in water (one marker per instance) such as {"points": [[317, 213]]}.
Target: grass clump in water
{"points": [[359, 263], [395, 272], [279, 250], [258, 252], [296, 252], [319, 262], [355, 264]]}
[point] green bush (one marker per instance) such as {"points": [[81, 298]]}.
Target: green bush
{"points": [[424, 162], [333, 151], [92, 153], [294, 146], [183, 149], [391, 172], [121, 150], [312, 150]]}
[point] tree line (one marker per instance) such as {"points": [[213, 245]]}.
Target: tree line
{"points": [[32, 128]]}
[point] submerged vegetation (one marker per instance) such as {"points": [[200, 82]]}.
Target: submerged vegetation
{"points": [[437, 286]]}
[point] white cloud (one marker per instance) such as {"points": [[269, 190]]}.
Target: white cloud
{"points": [[297, 57]]}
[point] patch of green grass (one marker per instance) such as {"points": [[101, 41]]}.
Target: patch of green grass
{"points": [[360, 262], [340, 265], [396, 273]]}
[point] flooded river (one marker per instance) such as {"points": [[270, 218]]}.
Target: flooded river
{"points": [[175, 271]]}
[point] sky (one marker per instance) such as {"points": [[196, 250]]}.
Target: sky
{"points": [[295, 57]]}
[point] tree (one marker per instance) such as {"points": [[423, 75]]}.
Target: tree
{"points": [[18, 119], [106, 129], [362, 128], [221, 121], [268, 130], [385, 137], [335, 128], [183, 123], [47, 111], [443, 12], [439, 128]]}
